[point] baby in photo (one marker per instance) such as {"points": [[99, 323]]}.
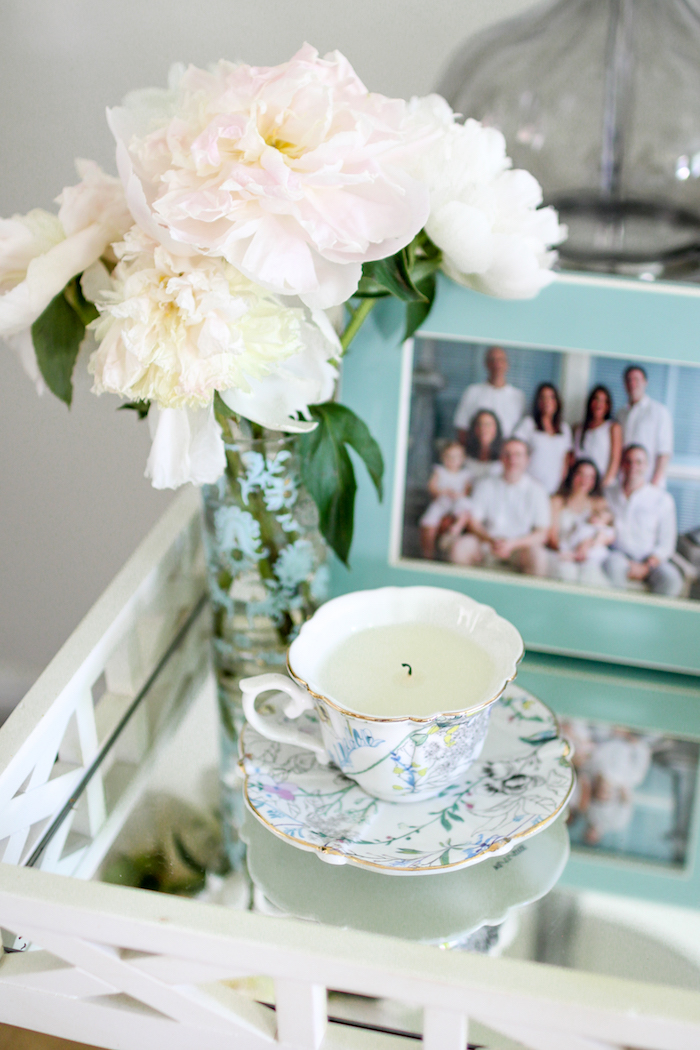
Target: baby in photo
{"points": [[588, 538], [448, 485]]}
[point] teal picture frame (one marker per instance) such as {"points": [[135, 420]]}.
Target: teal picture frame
{"points": [[645, 321]]}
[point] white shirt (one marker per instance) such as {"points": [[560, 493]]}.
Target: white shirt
{"points": [[510, 510], [447, 481], [506, 402], [648, 423], [645, 522], [480, 468], [622, 762], [547, 452], [596, 445]]}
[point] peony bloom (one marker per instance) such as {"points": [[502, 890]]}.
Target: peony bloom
{"points": [[97, 201], [187, 447], [40, 253], [290, 172], [484, 217], [307, 378], [176, 329]]}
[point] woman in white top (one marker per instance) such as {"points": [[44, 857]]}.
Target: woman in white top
{"points": [[483, 445], [581, 528], [599, 437], [549, 438], [483, 448]]}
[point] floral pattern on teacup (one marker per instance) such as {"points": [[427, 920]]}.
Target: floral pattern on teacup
{"points": [[402, 759], [520, 783]]}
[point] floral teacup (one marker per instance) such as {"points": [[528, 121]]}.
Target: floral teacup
{"points": [[397, 757]]}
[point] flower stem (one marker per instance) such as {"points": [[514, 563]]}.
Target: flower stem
{"points": [[85, 310], [357, 318]]}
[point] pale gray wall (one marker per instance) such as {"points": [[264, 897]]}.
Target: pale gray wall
{"points": [[73, 500]]}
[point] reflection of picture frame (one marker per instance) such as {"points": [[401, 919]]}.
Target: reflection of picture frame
{"points": [[635, 793], [653, 324], [655, 706]]}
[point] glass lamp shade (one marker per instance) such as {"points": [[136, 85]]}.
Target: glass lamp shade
{"points": [[600, 100]]}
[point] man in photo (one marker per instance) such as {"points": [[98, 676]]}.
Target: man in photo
{"points": [[645, 528], [509, 518], [505, 401], [647, 423]]}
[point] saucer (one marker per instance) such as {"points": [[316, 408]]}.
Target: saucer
{"points": [[519, 784], [437, 911]]}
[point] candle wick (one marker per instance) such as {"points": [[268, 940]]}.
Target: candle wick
{"points": [[409, 668]]}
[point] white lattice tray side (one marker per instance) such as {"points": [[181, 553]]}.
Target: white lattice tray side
{"points": [[56, 735]]}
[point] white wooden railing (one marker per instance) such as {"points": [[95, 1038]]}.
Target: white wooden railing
{"points": [[131, 970], [127, 968]]}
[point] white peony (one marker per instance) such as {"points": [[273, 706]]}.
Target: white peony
{"points": [[98, 200], [307, 378], [484, 216], [176, 329], [40, 253], [187, 447], [289, 172]]}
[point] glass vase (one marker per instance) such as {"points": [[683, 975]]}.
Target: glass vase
{"points": [[266, 574], [600, 100]]}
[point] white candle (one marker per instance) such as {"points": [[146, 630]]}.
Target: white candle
{"points": [[407, 669]]}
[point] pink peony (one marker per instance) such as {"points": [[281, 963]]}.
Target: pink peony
{"points": [[295, 174]]}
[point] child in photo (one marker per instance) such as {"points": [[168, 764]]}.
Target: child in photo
{"points": [[588, 538], [449, 483]]}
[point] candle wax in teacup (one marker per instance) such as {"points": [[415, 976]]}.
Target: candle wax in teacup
{"points": [[407, 669]]}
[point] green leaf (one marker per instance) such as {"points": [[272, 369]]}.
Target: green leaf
{"points": [[416, 313], [142, 407], [394, 275], [85, 310], [422, 268], [328, 474], [186, 857], [358, 436], [445, 822], [445, 857], [187, 887], [368, 288], [57, 335]]}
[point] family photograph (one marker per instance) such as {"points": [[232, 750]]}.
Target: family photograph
{"points": [[570, 466]]}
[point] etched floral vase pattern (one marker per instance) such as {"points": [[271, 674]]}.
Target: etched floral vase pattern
{"points": [[266, 575]]}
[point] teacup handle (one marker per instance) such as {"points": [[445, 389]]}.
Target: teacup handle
{"points": [[300, 701]]}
